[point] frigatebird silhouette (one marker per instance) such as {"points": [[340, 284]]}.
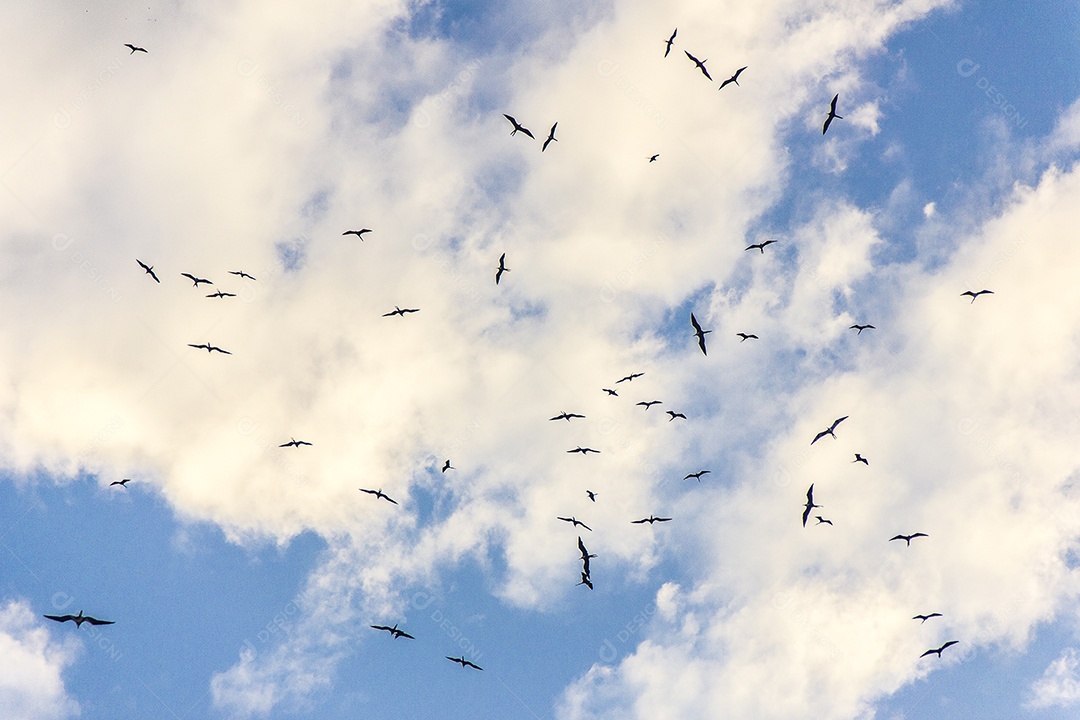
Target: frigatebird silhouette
{"points": [[733, 79], [148, 268], [550, 138], [670, 41], [293, 442], [832, 427], [518, 127], [937, 651], [976, 294], [908, 538], [700, 64], [832, 114], [501, 269], [80, 619], [209, 348], [463, 662], [699, 333], [394, 632], [378, 494]]}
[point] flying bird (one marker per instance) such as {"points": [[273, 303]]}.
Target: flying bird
{"points": [[670, 41], [908, 538], [566, 416], [501, 269], [822, 521], [924, 618], [832, 427], [357, 233], [651, 519], [379, 494], [585, 580], [860, 458], [700, 64], [733, 79], [699, 333], [674, 415], [649, 404], [697, 475], [743, 337], [583, 450], [629, 377], [809, 504], [122, 483], [976, 294], [832, 114], [394, 632], [937, 651], [196, 280], [576, 522], [518, 127], [591, 494], [652, 158], [241, 274], [80, 619], [210, 348], [611, 392], [550, 138], [294, 443], [759, 246], [220, 294], [463, 662], [401, 311], [447, 466], [134, 48], [860, 328], [585, 555], [148, 268]]}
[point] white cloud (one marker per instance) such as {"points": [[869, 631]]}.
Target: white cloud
{"points": [[31, 664], [1059, 685]]}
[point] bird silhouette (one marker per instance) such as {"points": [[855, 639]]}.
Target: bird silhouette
{"points": [[196, 280], [733, 79], [832, 427], [591, 494], [575, 522], [518, 127], [699, 333], [976, 294], [293, 442], [463, 662], [583, 450], [585, 555], [611, 392], [649, 404], [908, 538], [210, 348], [743, 337], [550, 138], [822, 521], [379, 494], [149, 269], [122, 483], [357, 233], [651, 519], [241, 274], [447, 466], [586, 581], [937, 651], [400, 311], [501, 269], [652, 158], [220, 294], [860, 328], [80, 619], [924, 618], [860, 458], [759, 246], [674, 415], [394, 632], [809, 505], [566, 416], [697, 475], [700, 64], [629, 377], [134, 48], [832, 114], [670, 41]]}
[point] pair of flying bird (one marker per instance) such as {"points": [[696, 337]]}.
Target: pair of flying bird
{"points": [[586, 578], [519, 128], [701, 63]]}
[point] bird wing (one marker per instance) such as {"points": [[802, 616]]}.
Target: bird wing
{"points": [[390, 499], [810, 494], [383, 627], [805, 515], [820, 435], [95, 621], [915, 535], [694, 322], [511, 119], [931, 652], [369, 492], [189, 276], [832, 105], [639, 522], [526, 131], [837, 421], [565, 519], [472, 665], [951, 642], [61, 618], [898, 537], [405, 635], [583, 525], [661, 519]]}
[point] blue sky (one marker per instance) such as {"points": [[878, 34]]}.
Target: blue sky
{"points": [[242, 577]]}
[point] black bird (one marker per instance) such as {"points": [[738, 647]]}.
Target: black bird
{"points": [[743, 337], [134, 48], [670, 41], [649, 404], [976, 294], [832, 114], [924, 618], [566, 416], [822, 521], [583, 450], [652, 158], [79, 619], [447, 466], [908, 538], [937, 651], [631, 376], [294, 443], [733, 79], [832, 427], [463, 662], [585, 555], [401, 311], [394, 632], [122, 483], [501, 269], [148, 268], [700, 64], [357, 233], [220, 294], [241, 274], [697, 475], [809, 504], [860, 328], [210, 348], [379, 494], [550, 138], [611, 392], [651, 519], [576, 522], [760, 246], [518, 127], [700, 333], [860, 458], [585, 580], [591, 494], [674, 415], [196, 280]]}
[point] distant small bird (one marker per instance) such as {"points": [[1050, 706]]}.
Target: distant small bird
{"points": [[832, 114], [670, 41], [649, 404], [357, 233], [733, 79], [518, 127], [122, 483], [759, 246], [697, 475], [629, 377], [924, 618], [860, 458], [700, 64], [400, 311], [463, 662], [447, 466], [293, 442], [976, 294], [611, 392], [699, 333], [651, 519], [566, 416], [908, 538], [149, 269], [583, 450], [860, 328], [241, 274], [585, 555], [394, 632], [937, 651], [822, 521], [575, 522], [196, 280], [550, 138], [743, 337], [80, 619], [652, 158], [585, 580], [501, 269], [379, 494], [134, 48], [591, 494], [674, 415], [209, 348], [220, 294], [809, 505], [832, 427]]}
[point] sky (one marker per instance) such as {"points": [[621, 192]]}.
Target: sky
{"points": [[242, 577]]}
